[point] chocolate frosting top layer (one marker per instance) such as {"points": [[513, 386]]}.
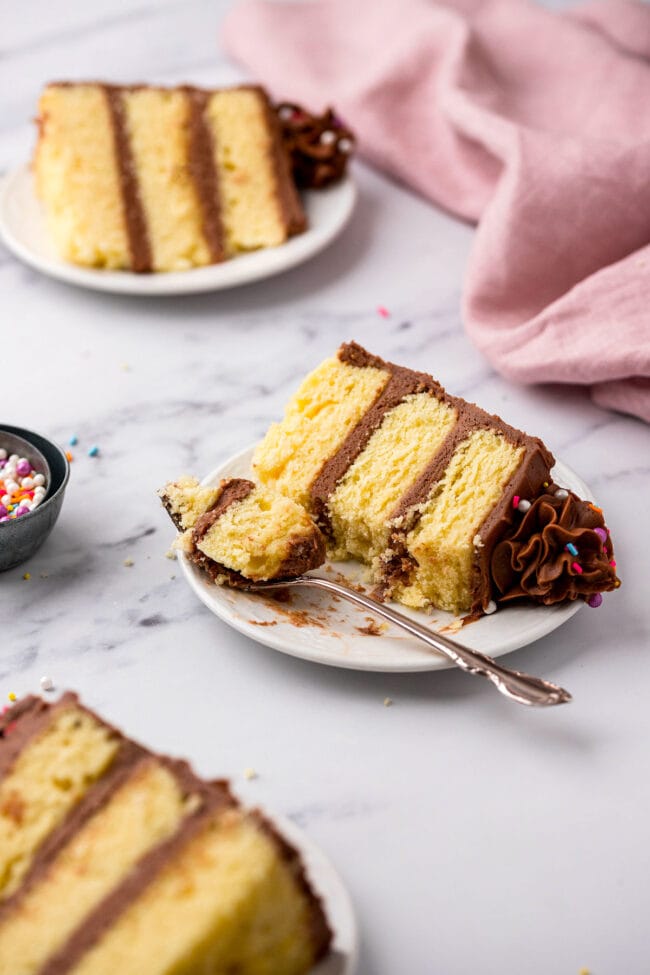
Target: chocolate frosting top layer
{"points": [[533, 560], [319, 146]]}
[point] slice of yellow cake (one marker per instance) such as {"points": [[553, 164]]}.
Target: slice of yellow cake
{"points": [[162, 179], [422, 486], [239, 532], [114, 859]]}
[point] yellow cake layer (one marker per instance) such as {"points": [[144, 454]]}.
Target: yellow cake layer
{"points": [[47, 779], [394, 457], [442, 542], [250, 209], [188, 500], [226, 904], [329, 403], [77, 179], [254, 536], [143, 812], [157, 127]]}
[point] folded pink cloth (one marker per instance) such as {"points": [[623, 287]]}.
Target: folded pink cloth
{"points": [[533, 123]]}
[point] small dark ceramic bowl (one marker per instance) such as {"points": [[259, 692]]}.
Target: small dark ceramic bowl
{"points": [[21, 537]]}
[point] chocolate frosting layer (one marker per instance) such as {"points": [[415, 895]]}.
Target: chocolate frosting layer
{"points": [[203, 171], [533, 561], [319, 146], [134, 216]]}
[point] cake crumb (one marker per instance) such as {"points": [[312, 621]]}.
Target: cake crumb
{"points": [[250, 773], [388, 702], [372, 627], [173, 575], [452, 627], [584, 971], [43, 575], [170, 554], [478, 541], [128, 563]]}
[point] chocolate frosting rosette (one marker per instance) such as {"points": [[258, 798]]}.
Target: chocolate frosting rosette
{"points": [[560, 550], [319, 146]]}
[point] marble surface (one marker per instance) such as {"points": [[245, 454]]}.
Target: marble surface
{"points": [[473, 834]]}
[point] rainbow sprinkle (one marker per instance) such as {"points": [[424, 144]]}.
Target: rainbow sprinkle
{"points": [[570, 547], [577, 568]]}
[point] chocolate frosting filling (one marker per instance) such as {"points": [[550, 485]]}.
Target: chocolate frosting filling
{"points": [[203, 171], [319, 146], [533, 560], [134, 216]]}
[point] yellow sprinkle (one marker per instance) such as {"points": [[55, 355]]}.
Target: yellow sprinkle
{"points": [[128, 563], [12, 696], [250, 773], [387, 702], [27, 576], [584, 971]]}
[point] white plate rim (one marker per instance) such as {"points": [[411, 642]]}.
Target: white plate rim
{"points": [[21, 219], [539, 621], [337, 903]]}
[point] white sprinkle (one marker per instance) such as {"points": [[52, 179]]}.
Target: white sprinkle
{"points": [[39, 480], [561, 493], [523, 505], [490, 608], [47, 684], [345, 145], [27, 482], [285, 113], [3, 453], [327, 137]]}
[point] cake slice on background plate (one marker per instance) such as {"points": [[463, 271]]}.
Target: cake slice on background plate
{"points": [[239, 532], [115, 859], [162, 179], [449, 506]]}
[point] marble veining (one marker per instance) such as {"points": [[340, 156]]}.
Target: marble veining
{"points": [[467, 829]]}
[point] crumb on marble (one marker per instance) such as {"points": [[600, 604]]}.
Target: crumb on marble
{"points": [[170, 554], [388, 702], [43, 575], [250, 773], [128, 563]]}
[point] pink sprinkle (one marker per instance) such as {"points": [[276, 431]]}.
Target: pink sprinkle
{"points": [[515, 500], [384, 312], [613, 564], [577, 568], [602, 534]]}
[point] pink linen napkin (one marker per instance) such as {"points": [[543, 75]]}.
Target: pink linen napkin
{"points": [[532, 123]]}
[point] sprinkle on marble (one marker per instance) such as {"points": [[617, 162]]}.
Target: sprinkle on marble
{"points": [[595, 600], [388, 702], [125, 367], [11, 696], [27, 576], [524, 506], [47, 684], [570, 547], [93, 451], [69, 456], [74, 440], [250, 773], [383, 311], [128, 563], [577, 567]]}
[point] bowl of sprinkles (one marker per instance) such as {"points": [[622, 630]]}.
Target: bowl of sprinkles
{"points": [[34, 473]]}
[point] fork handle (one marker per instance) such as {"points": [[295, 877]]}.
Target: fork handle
{"points": [[520, 687]]}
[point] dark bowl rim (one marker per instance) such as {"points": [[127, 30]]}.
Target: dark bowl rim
{"points": [[26, 435]]}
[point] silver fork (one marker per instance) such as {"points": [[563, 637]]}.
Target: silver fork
{"points": [[513, 684]]}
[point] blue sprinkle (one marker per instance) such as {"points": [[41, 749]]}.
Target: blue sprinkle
{"points": [[570, 547], [94, 450], [74, 440]]}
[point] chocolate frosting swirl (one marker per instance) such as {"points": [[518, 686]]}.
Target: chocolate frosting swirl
{"points": [[533, 561], [319, 146]]}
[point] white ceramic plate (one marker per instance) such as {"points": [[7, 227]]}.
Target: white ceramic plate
{"points": [[328, 631], [336, 902], [22, 226]]}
